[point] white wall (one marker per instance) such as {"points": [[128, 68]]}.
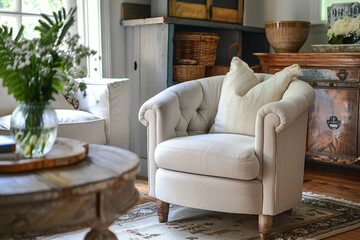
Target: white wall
{"points": [[256, 12]]}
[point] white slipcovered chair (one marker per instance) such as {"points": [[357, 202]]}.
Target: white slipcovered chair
{"points": [[102, 117], [191, 167]]}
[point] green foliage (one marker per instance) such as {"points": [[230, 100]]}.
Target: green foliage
{"points": [[33, 70], [351, 39]]}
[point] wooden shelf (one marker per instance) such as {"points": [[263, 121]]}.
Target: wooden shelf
{"points": [[190, 22]]}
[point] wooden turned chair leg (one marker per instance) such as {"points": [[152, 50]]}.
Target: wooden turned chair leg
{"points": [[265, 226], [163, 210]]}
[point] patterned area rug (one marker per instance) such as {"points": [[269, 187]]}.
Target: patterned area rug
{"points": [[316, 217]]}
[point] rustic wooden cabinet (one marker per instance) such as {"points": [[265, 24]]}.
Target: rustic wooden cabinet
{"points": [[212, 10], [333, 127]]}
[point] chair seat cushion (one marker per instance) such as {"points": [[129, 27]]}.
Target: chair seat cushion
{"points": [[74, 124], [221, 155]]}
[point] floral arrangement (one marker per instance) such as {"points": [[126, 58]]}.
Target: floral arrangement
{"points": [[345, 31], [34, 70]]}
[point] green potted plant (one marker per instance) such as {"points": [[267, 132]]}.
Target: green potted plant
{"points": [[36, 69]]}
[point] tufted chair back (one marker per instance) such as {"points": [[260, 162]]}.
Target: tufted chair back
{"points": [[195, 105]]}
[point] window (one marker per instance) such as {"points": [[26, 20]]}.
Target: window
{"points": [[15, 13], [327, 3]]}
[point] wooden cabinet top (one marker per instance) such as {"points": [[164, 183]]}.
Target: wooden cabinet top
{"points": [[313, 59], [190, 22]]}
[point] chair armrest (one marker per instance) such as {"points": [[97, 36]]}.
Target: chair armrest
{"points": [[280, 138], [296, 99], [7, 102], [109, 99]]}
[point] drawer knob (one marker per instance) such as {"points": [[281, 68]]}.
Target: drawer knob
{"points": [[331, 84], [342, 74]]}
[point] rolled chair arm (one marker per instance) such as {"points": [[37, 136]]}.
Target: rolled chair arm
{"points": [[161, 110], [296, 99], [109, 99], [280, 138]]}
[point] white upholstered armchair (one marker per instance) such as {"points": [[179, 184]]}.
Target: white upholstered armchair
{"points": [[236, 173], [102, 117]]}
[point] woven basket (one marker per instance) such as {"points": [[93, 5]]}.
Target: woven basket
{"points": [[182, 73], [222, 70], [197, 46], [217, 70]]}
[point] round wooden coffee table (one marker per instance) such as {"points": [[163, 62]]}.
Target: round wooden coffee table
{"points": [[91, 193]]}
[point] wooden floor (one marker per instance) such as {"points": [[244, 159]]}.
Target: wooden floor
{"points": [[327, 180]]}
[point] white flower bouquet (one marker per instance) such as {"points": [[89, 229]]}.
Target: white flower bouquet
{"points": [[33, 71], [345, 31]]}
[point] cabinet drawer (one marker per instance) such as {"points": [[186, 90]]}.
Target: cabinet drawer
{"points": [[332, 126], [338, 74]]}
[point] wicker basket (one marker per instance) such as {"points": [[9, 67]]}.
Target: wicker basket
{"points": [[196, 45], [216, 70], [222, 70], [182, 73]]}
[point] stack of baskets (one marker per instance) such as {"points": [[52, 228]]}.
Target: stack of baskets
{"points": [[193, 52]]}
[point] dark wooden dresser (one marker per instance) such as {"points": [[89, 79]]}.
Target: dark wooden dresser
{"points": [[333, 127]]}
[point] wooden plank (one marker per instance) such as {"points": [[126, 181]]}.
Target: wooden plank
{"points": [[333, 181], [21, 183], [64, 152], [98, 171], [209, 4], [313, 59], [171, 32], [154, 66], [191, 22], [240, 11], [135, 11], [224, 15], [188, 10], [45, 215], [116, 159], [133, 40]]}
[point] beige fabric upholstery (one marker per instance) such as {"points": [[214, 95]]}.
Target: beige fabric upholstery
{"points": [[163, 116], [189, 109], [221, 155], [242, 97], [211, 193], [102, 118], [81, 125]]}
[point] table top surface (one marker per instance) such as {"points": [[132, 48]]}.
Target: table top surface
{"points": [[103, 167]]}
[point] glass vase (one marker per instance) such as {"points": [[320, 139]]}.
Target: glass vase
{"points": [[34, 127]]}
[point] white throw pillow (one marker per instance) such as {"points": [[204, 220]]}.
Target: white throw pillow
{"points": [[242, 96]]}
